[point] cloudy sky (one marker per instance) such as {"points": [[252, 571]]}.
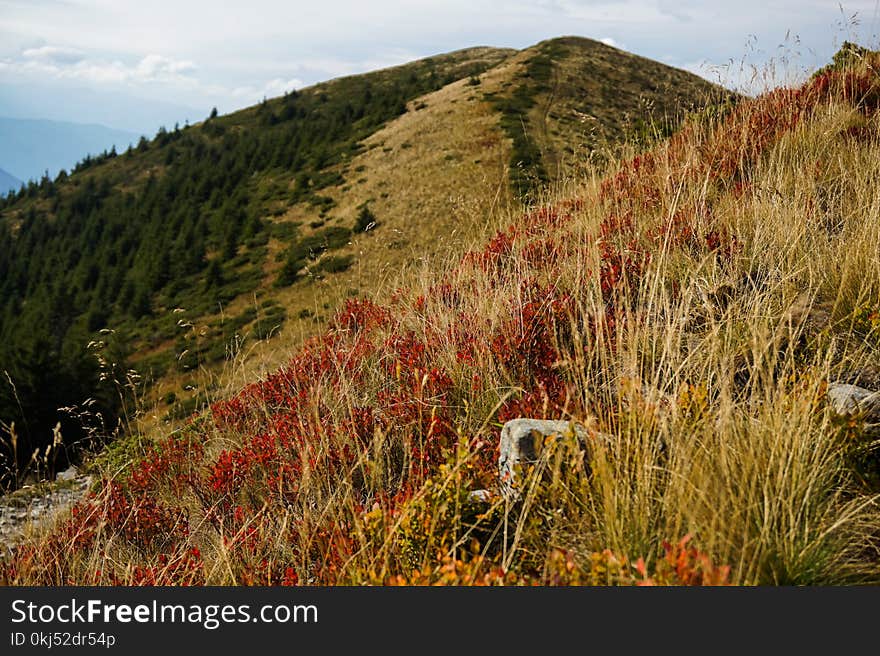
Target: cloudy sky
{"points": [[135, 64]]}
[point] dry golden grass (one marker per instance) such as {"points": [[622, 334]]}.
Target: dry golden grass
{"points": [[433, 177]]}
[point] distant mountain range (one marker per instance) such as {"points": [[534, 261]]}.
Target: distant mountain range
{"points": [[30, 147], [8, 182], [90, 105]]}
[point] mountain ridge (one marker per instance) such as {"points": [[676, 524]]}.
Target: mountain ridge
{"points": [[200, 243]]}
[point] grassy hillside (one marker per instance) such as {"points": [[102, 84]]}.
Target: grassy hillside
{"points": [[689, 308], [569, 102], [197, 247], [450, 169], [185, 221]]}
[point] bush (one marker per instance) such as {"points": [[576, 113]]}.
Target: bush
{"points": [[289, 272], [311, 247], [366, 220], [335, 263]]}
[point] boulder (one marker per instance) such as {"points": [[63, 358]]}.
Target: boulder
{"points": [[522, 443]]}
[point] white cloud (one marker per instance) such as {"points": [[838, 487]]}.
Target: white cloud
{"points": [[609, 41], [154, 67], [616, 11], [157, 71], [250, 94], [74, 64], [279, 86], [53, 54], [331, 67]]}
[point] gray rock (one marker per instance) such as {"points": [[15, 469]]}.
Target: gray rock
{"points": [[19, 509], [522, 442], [68, 474], [480, 496], [853, 400]]}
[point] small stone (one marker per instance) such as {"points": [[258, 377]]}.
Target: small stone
{"points": [[68, 474], [852, 400], [522, 441], [480, 496]]}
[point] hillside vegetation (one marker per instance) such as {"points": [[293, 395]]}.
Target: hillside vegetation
{"points": [[689, 308], [184, 221], [141, 274]]}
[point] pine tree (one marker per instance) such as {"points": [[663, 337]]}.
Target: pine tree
{"points": [[214, 276]]}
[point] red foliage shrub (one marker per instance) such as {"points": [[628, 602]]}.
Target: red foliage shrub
{"points": [[684, 565]]}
